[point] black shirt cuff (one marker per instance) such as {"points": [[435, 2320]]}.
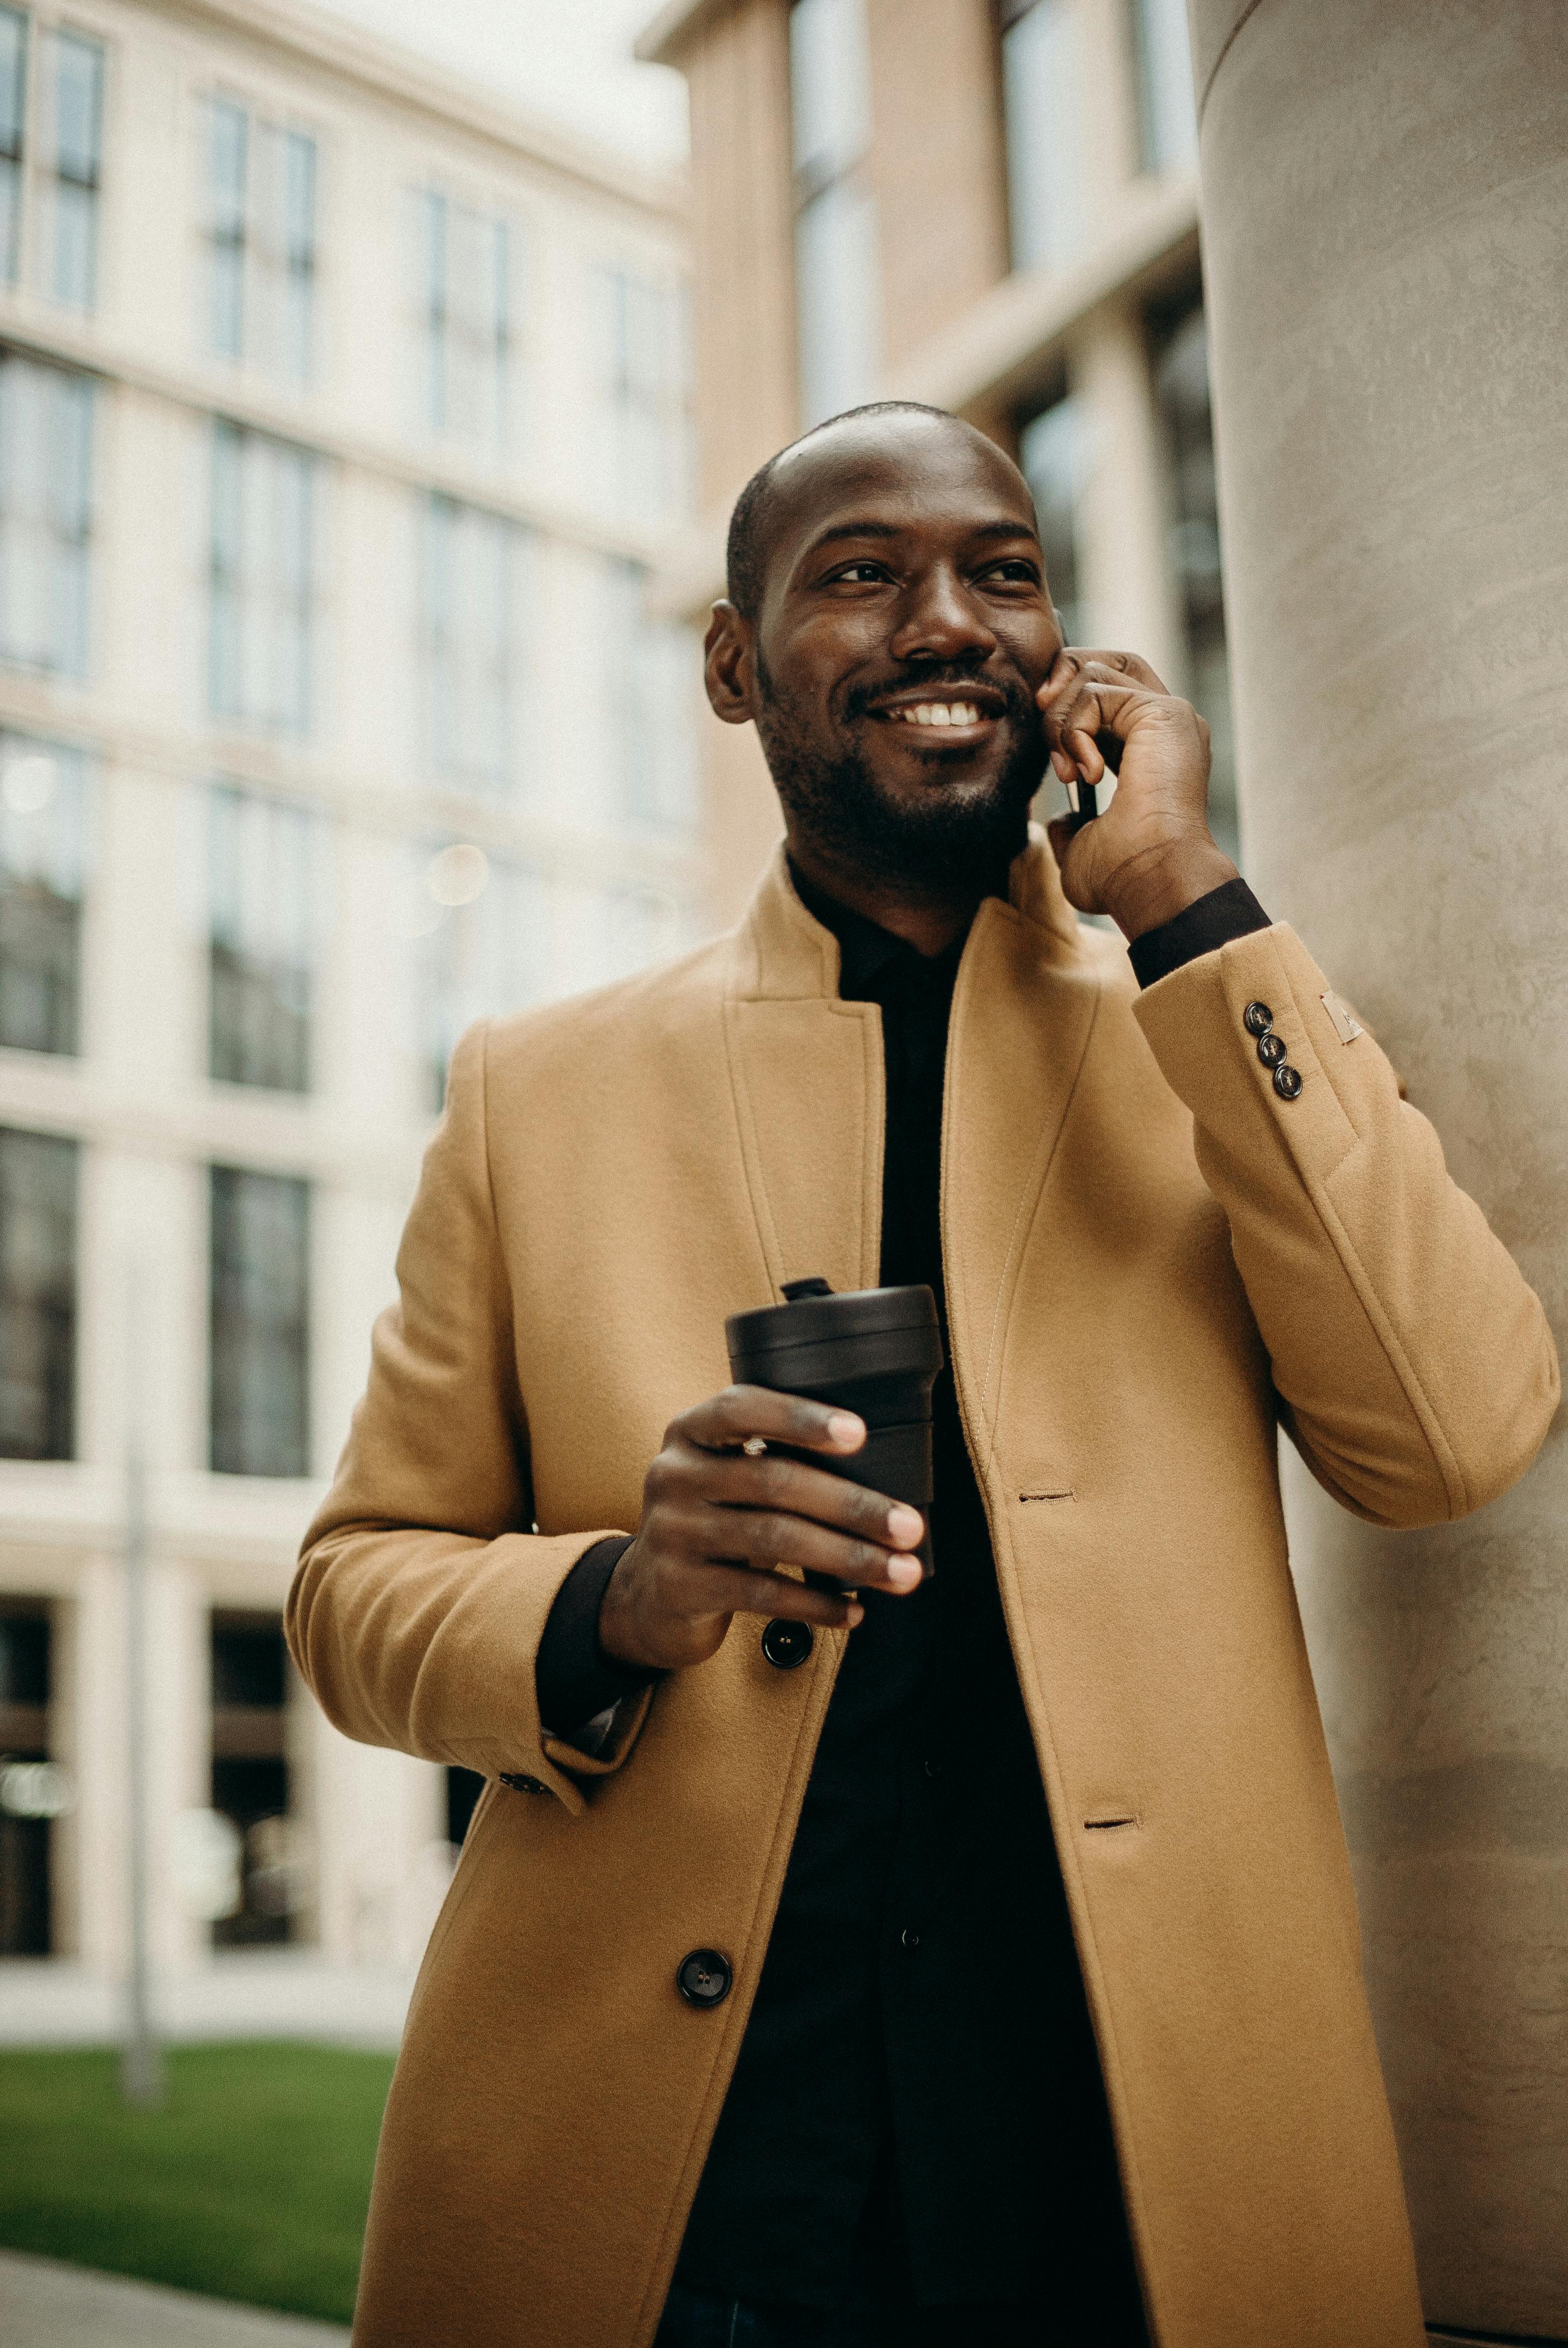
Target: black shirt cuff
{"points": [[1228, 911], [575, 1679]]}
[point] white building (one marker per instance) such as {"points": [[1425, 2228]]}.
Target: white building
{"points": [[340, 415]]}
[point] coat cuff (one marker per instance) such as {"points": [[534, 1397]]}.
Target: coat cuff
{"points": [[1211, 922], [577, 1681]]}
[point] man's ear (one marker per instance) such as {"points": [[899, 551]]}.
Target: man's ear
{"points": [[729, 664]]}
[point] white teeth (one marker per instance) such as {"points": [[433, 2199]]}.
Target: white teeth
{"points": [[940, 713]]}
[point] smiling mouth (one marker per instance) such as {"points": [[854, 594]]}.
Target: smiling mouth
{"points": [[939, 716]]}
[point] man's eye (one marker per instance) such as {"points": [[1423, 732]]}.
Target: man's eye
{"points": [[1018, 571], [859, 571]]}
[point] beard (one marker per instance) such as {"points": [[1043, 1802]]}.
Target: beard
{"points": [[947, 836]]}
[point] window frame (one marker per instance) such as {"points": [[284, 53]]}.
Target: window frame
{"points": [[282, 269]]}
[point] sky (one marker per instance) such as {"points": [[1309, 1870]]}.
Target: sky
{"points": [[567, 60]]}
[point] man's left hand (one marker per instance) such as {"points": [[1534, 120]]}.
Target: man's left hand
{"points": [[1151, 854]]}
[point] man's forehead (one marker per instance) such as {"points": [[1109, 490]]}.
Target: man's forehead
{"points": [[943, 471]]}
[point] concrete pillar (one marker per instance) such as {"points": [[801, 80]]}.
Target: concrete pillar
{"points": [[1385, 196]]}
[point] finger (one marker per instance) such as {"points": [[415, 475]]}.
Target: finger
{"points": [[1097, 707], [726, 1420], [789, 1487], [709, 1588], [1129, 668], [765, 1538]]}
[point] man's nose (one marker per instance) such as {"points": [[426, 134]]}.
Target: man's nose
{"points": [[940, 620]]}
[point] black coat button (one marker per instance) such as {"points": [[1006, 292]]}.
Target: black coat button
{"points": [[785, 1644], [1258, 1018], [523, 1784], [704, 1977], [910, 1938], [1287, 1081], [1270, 1050]]}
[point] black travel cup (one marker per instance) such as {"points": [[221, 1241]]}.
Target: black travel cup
{"points": [[874, 1351]]}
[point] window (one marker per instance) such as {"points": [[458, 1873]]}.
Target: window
{"points": [[1167, 120], [45, 516], [1041, 99], [1051, 456], [488, 946], [262, 609], [262, 242], [26, 1806], [38, 1295], [262, 866], [259, 1387], [43, 795], [1182, 389], [838, 326], [475, 580], [652, 758], [251, 1776], [644, 325], [467, 321], [51, 165]]}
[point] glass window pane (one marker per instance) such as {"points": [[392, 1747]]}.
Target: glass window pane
{"points": [[260, 1382], [38, 1295], [1182, 390], [839, 324], [1040, 98], [46, 462], [1167, 121], [261, 955], [1050, 456], [830, 86], [260, 609], [42, 868], [13, 80], [472, 625], [79, 107], [485, 957]]}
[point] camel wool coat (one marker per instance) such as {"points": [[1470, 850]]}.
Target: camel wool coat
{"points": [[1152, 1261]]}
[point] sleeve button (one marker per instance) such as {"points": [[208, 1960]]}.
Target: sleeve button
{"points": [[1270, 1050], [1287, 1081], [1258, 1018]]}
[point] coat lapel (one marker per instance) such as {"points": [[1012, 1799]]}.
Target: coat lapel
{"points": [[807, 1076], [1023, 1011]]}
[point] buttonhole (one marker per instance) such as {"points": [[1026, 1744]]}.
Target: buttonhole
{"points": [[1097, 1826], [1068, 1494]]}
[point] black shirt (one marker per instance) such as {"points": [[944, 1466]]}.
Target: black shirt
{"points": [[917, 2097]]}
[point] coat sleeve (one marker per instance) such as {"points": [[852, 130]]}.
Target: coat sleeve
{"points": [[422, 1592], [1416, 1371]]}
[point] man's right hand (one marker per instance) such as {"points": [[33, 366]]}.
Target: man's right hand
{"points": [[716, 1523]]}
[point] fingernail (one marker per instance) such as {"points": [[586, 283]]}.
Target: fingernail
{"points": [[855, 1614], [903, 1527], [845, 1430], [903, 1572]]}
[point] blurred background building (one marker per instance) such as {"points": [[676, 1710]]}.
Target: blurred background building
{"points": [[991, 205], [354, 522], [341, 417]]}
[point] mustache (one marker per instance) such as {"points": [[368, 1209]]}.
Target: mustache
{"points": [[1018, 701]]}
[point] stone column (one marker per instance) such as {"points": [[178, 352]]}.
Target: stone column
{"points": [[1385, 215]]}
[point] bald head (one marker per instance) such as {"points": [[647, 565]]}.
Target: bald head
{"points": [[786, 489]]}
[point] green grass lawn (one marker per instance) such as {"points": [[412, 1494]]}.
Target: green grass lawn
{"points": [[249, 2183]]}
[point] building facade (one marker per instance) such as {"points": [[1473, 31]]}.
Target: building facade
{"points": [[343, 417], [991, 205]]}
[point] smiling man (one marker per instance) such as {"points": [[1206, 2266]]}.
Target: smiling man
{"points": [[954, 1959]]}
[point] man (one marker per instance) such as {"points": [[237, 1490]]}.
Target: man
{"points": [[959, 1960]]}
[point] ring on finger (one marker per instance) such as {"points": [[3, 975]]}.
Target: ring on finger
{"points": [[754, 1446]]}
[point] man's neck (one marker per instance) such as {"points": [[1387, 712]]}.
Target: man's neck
{"points": [[929, 920]]}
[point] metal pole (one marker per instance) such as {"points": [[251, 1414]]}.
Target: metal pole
{"points": [[141, 2061]]}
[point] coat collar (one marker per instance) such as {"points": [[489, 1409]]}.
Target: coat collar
{"points": [[785, 955]]}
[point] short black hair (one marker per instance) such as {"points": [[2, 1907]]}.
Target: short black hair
{"points": [[746, 551]]}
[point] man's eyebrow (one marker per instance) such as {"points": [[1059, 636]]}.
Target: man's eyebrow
{"points": [[840, 531]]}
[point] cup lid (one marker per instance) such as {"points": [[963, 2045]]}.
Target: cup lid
{"points": [[814, 1315]]}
